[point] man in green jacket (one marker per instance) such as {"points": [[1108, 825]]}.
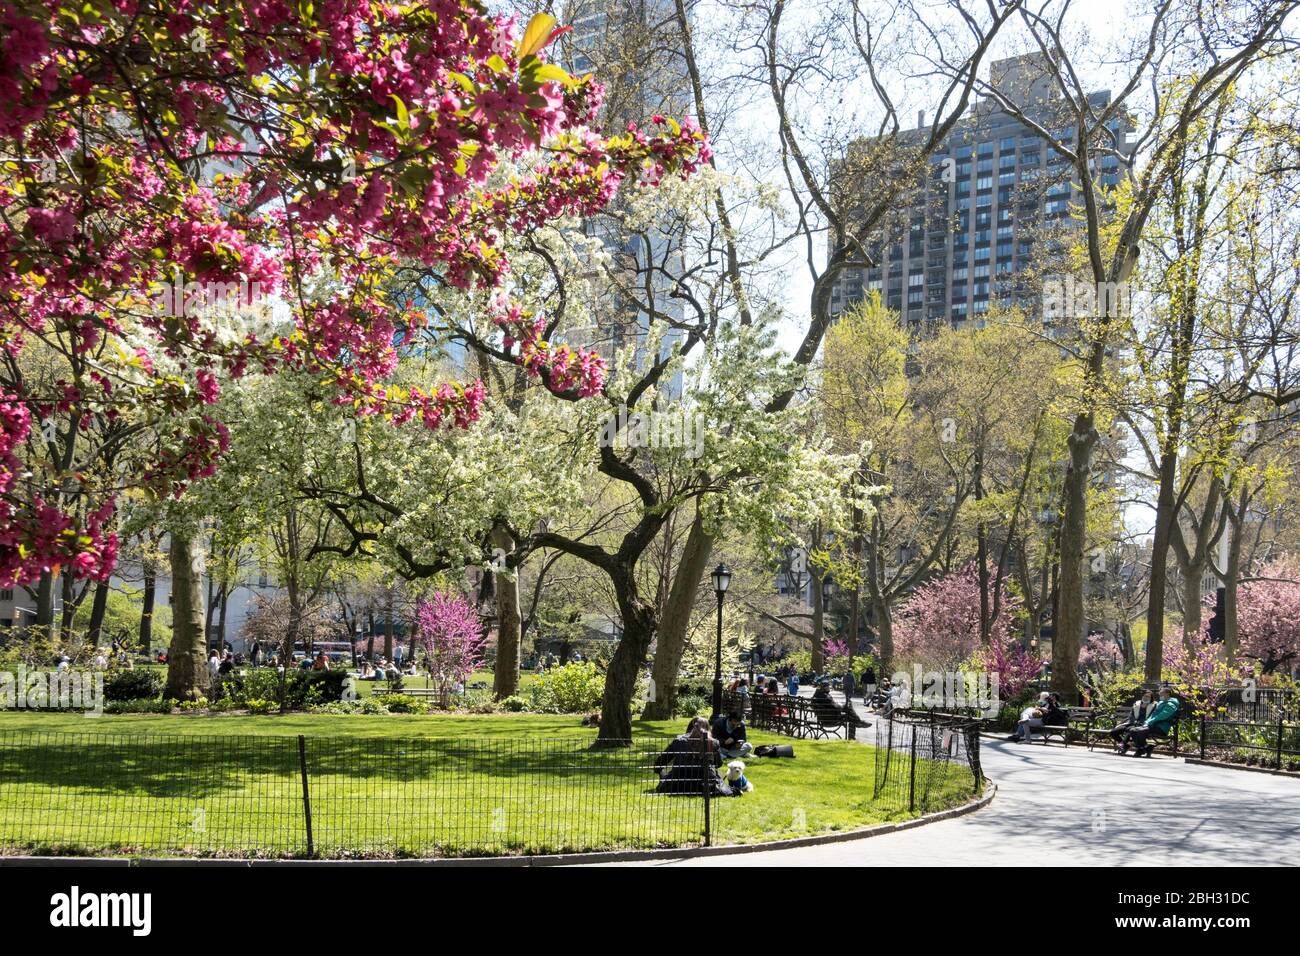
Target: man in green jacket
{"points": [[1159, 723]]}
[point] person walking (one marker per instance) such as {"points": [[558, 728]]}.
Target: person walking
{"points": [[848, 685]]}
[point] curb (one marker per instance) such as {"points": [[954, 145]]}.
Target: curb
{"points": [[1294, 775], [556, 859]]}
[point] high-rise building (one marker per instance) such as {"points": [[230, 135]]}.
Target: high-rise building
{"points": [[974, 228], [633, 47]]}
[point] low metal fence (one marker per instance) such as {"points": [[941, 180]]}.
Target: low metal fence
{"points": [[336, 796], [923, 760], [1274, 744], [920, 763]]}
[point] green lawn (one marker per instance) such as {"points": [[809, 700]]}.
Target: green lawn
{"points": [[397, 785]]}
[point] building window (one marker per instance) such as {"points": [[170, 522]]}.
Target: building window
{"points": [[7, 594]]}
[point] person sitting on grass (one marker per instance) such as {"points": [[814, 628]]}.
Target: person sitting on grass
{"points": [[729, 731], [1158, 724], [690, 762], [1137, 716]]}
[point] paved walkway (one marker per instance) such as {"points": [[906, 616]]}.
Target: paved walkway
{"points": [[1068, 807]]}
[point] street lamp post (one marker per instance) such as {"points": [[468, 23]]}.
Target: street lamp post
{"points": [[721, 580]]}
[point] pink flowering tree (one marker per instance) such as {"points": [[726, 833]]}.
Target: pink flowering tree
{"points": [[451, 634], [939, 625], [1013, 665], [299, 153], [1268, 616], [1100, 652], [1200, 675]]}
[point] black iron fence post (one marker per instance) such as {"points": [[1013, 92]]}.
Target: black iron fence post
{"points": [[1202, 736], [911, 784], [1279, 743], [706, 783], [306, 792]]}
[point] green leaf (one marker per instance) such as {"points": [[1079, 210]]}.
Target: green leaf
{"points": [[549, 72], [537, 34], [403, 118], [461, 80]]}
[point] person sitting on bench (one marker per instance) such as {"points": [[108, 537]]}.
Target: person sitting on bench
{"points": [[1054, 715], [831, 714], [1158, 724], [1137, 716], [1031, 719]]}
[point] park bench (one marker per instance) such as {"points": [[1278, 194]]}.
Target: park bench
{"points": [[1167, 744], [792, 716], [1079, 722]]}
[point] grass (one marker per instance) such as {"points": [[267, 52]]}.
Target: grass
{"points": [[398, 785]]}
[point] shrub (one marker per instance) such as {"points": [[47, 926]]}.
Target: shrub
{"points": [[191, 705], [477, 702], [301, 689], [570, 689], [400, 703], [366, 706], [133, 685], [145, 705], [688, 705], [514, 704], [259, 706]]}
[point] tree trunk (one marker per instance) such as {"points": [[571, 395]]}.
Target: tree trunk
{"points": [[69, 590], [146, 607], [1069, 621], [639, 625], [45, 605], [884, 633], [209, 614], [187, 666], [1192, 606], [671, 643], [370, 636], [818, 626], [388, 626], [224, 594], [1160, 563], [1231, 575], [982, 555], [505, 674], [97, 608]]}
